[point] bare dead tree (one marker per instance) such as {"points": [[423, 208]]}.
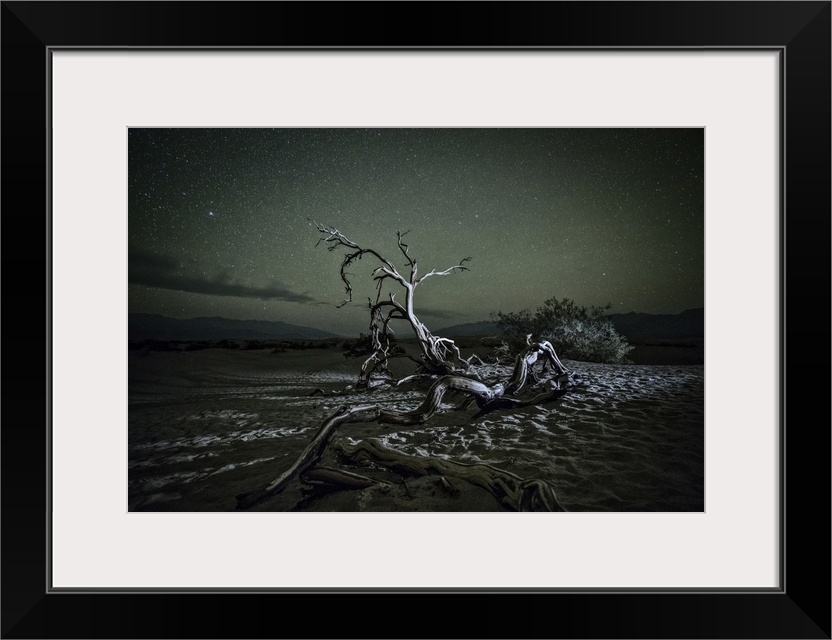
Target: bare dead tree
{"points": [[439, 356], [511, 490]]}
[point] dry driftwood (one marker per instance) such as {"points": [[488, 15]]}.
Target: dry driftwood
{"points": [[486, 396], [319, 481], [338, 478], [510, 490]]}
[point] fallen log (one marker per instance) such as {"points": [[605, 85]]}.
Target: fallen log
{"points": [[484, 395], [511, 490], [338, 478]]}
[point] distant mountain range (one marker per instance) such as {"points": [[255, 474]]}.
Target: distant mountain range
{"points": [[145, 326], [636, 326]]}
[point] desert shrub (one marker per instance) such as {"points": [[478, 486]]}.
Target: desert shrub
{"points": [[224, 344], [253, 345], [576, 332], [195, 345], [363, 346], [298, 345], [503, 352], [155, 345]]}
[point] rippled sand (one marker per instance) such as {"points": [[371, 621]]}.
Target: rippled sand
{"points": [[207, 425]]}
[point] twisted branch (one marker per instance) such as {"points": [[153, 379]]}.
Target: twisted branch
{"points": [[510, 489], [484, 395], [434, 272], [334, 239], [438, 354]]}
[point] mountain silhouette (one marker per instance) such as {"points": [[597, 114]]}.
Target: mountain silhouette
{"points": [[636, 326]]}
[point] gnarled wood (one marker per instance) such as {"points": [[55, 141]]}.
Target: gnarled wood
{"points": [[484, 395], [510, 489], [439, 355], [338, 478]]}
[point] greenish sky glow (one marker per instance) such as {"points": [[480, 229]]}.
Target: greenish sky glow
{"points": [[218, 219]]}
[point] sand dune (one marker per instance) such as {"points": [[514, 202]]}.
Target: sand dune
{"points": [[207, 425]]}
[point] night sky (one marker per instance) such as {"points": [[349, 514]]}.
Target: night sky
{"points": [[219, 220]]}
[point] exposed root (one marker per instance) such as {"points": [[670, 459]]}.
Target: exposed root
{"points": [[553, 392], [510, 490], [416, 377], [447, 486], [484, 395], [331, 392], [336, 479]]}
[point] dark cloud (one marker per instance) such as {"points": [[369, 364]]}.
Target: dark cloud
{"points": [[155, 270]]}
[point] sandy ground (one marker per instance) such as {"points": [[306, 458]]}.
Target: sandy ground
{"points": [[207, 425]]}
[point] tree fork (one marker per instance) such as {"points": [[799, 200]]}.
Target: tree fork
{"points": [[435, 351]]}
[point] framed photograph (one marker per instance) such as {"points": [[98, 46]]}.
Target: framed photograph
{"points": [[548, 421], [673, 155]]}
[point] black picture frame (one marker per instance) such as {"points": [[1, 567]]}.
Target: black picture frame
{"points": [[800, 31]]}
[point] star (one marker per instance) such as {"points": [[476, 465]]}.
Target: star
{"points": [[540, 210]]}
